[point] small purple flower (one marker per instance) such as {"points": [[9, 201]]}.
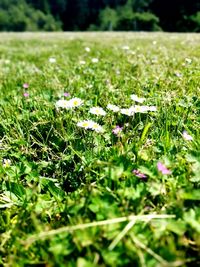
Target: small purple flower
{"points": [[26, 94], [66, 94], [162, 168], [25, 85], [139, 174], [117, 130]]}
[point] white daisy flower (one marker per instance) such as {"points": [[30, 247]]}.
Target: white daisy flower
{"points": [[137, 99], [97, 111], [125, 47], [87, 49], [186, 136], [95, 60], [152, 108], [188, 60], [6, 163], [75, 102], [127, 111], [82, 62], [97, 128], [140, 109], [62, 104], [114, 108], [87, 124], [52, 60], [118, 72]]}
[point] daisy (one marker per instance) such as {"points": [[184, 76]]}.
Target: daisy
{"points": [[117, 72], [137, 99], [6, 163], [114, 108], [82, 62], [75, 102], [127, 111], [186, 136], [87, 49], [97, 111], [125, 47], [140, 109], [152, 108], [97, 128], [63, 104], [95, 60], [52, 60], [87, 124], [188, 60]]}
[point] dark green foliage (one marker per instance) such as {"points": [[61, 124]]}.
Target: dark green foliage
{"points": [[131, 15], [20, 16]]}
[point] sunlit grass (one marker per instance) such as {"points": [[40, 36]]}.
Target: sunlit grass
{"points": [[96, 128]]}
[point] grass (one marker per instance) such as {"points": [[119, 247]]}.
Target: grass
{"points": [[71, 196]]}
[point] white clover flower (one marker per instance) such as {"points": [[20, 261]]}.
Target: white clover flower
{"points": [[62, 104], [137, 99], [82, 62], [127, 111], [97, 111], [95, 60], [186, 136], [52, 59], [87, 49], [75, 102], [6, 163], [114, 108], [87, 124]]}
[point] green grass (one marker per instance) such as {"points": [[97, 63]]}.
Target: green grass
{"points": [[68, 194]]}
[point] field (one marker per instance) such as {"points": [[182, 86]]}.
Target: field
{"points": [[100, 149]]}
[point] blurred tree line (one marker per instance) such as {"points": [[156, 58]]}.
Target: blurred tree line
{"points": [[119, 15]]}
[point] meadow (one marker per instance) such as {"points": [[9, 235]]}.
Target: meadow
{"points": [[99, 149]]}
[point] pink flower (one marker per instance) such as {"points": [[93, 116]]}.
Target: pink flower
{"points": [[117, 130], [25, 85], [162, 168], [66, 94], [139, 174], [186, 136], [26, 94]]}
